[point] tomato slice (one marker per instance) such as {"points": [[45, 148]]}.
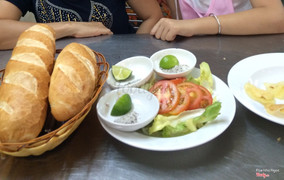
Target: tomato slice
{"points": [[167, 94], [199, 96], [206, 99], [178, 80], [183, 104]]}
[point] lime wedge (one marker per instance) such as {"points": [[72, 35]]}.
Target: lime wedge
{"points": [[120, 73], [168, 62], [122, 106]]}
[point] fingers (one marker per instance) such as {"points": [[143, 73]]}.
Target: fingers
{"points": [[155, 28], [164, 30], [89, 29], [159, 30], [97, 28], [106, 31]]}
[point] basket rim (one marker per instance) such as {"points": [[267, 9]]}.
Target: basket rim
{"points": [[103, 68]]}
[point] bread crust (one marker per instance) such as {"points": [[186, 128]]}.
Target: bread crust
{"points": [[24, 90], [73, 81]]}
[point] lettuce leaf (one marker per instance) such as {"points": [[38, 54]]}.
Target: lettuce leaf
{"points": [[150, 83], [205, 79], [184, 123]]}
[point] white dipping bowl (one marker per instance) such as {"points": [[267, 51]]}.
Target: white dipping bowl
{"points": [[184, 57], [142, 70], [145, 107]]}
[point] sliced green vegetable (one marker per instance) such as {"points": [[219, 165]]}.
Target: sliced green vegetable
{"points": [[184, 123], [205, 79]]}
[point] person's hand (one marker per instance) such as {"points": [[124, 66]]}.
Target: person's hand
{"points": [[89, 29], [165, 29]]}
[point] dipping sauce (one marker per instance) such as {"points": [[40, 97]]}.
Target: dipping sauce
{"points": [[176, 69], [130, 118]]}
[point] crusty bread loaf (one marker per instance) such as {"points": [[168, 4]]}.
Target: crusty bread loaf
{"points": [[24, 89], [73, 81]]}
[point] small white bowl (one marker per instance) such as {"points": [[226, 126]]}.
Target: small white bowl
{"points": [[184, 57], [145, 107], [142, 70]]}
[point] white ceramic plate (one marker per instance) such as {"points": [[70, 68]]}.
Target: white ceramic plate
{"points": [[142, 70], [208, 132], [257, 70]]}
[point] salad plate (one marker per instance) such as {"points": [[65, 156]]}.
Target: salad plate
{"points": [[257, 69], [205, 134]]}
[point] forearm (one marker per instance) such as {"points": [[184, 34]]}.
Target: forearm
{"points": [[10, 31], [199, 26], [147, 25], [254, 21], [149, 11], [62, 29]]}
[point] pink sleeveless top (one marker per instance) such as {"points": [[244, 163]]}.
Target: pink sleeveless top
{"points": [[217, 7]]}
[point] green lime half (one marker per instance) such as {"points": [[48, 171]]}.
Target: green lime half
{"points": [[168, 62], [122, 106], [120, 73]]}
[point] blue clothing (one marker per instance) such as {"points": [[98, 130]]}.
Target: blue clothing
{"points": [[111, 13]]}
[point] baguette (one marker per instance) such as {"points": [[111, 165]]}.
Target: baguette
{"points": [[73, 81], [24, 89]]}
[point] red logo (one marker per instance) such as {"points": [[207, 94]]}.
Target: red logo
{"points": [[263, 175]]}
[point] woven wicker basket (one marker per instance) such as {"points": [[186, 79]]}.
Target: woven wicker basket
{"points": [[55, 135]]}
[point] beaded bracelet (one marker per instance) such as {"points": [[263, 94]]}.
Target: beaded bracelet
{"points": [[217, 19]]}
